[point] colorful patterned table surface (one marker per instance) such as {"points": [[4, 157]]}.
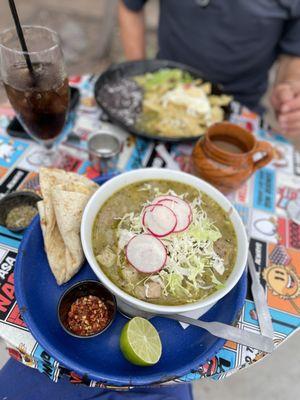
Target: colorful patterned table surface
{"points": [[262, 203]]}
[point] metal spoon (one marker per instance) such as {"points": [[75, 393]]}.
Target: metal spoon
{"points": [[219, 329], [228, 332]]}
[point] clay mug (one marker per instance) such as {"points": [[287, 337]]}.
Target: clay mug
{"points": [[227, 155]]}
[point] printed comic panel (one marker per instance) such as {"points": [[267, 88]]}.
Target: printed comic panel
{"points": [[87, 170], [13, 180], [264, 192], [7, 293], [221, 363], [68, 162], [4, 121], [284, 323], [141, 155], [297, 163], [26, 161], [244, 193], [20, 353], [9, 239], [264, 226], [267, 133], [258, 249], [3, 172], [283, 157], [46, 364], [279, 269], [14, 318], [247, 355], [280, 274], [181, 153], [288, 233], [245, 118], [244, 213], [288, 195], [275, 229], [11, 151], [282, 277], [31, 182]]}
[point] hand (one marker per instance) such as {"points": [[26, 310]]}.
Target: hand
{"points": [[285, 99]]}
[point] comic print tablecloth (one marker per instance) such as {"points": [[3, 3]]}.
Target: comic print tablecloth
{"points": [[262, 203]]}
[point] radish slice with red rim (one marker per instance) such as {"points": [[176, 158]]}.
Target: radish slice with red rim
{"points": [[146, 253], [185, 205], [181, 209], [159, 220]]}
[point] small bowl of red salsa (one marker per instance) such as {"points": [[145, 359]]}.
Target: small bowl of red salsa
{"points": [[86, 309]]}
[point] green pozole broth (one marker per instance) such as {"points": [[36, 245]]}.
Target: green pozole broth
{"points": [[200, 259]]}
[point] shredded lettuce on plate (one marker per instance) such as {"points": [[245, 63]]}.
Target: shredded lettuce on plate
{"points": [[169, 77]]}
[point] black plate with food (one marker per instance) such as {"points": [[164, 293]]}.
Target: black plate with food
{"points": [[160, 99]]}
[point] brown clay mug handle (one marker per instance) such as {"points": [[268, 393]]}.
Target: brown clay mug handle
{"points": [[263, 147]]}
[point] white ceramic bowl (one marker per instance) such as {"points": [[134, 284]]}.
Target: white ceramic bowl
{"points": [[124, 299]]}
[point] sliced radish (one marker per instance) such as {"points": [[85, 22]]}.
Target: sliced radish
{"points": [[146, 253], [181, 209], [185, 204], [159, 220]]}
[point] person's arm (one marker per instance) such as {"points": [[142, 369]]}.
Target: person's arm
{"points": [[132, 29]]}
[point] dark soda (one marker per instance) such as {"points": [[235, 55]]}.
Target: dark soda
{"points": [[41, 100]]}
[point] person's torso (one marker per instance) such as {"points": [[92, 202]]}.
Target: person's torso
{"points": [[233, 42]]}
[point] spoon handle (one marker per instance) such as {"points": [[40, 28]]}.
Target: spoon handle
{"points": [[228, 332], [259, 296]]}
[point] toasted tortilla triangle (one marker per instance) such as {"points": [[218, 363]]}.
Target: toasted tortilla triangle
{"points": [[65, 196]]}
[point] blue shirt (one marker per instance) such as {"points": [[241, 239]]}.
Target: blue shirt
{"points": [[18, 382], [232, 42]]}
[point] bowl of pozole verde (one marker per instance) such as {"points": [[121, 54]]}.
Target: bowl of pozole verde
{"points": [[163, 241]]}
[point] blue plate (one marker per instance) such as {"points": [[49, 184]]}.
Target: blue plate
{"points": [[100, 358]]}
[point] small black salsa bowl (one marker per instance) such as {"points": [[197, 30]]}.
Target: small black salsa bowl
{"points": [[17, 199], [82, 289]]}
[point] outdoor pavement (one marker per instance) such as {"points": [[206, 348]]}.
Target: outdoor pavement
{"points": [[91, 42], [276, 377], [88, 30]]}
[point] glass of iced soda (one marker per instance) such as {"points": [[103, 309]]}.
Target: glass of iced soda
{"points": [[40, 97]]}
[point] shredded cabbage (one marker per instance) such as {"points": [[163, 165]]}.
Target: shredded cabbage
{"points": [[191, 260]]}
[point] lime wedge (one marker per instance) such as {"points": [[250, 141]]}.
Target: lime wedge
{"points": [[140, 342]]}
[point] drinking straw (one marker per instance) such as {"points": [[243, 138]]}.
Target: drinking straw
{"points": [[21, 35]]}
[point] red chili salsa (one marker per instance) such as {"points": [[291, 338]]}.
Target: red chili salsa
{"points": [[88, 315]]}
